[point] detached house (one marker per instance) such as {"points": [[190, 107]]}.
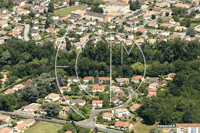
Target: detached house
{"points": [[163, 83], [108, 116], [123, 125], [115, 100], [97, 103], [65, 88], [188, 127], [19, 128], [87, 79], [9, 91], [3, 24], [84, 39], [135, 107], [122, 112], [52, 97], [72, 79], [29, 108], [4, 118], [137, 78], [104, 79], [6, 130], [64, 100], [96, 88], [50, 30], [79, 102], [154, 25], [65, 110]]}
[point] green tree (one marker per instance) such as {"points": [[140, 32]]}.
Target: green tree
{"points": [[51, 7], [191, 32], [30, 94], [153, 16], [7, 82], [167, 13], [52, 109], [1, 76]]}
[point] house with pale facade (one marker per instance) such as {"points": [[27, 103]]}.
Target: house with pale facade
{"points": [[65, 110], [65, 88], [97, 103], [64, 100], [121, 112], [52, 97], [108, 116], [188, 127], [137, 79], [123, 125], [79, 102], [96, 88]]}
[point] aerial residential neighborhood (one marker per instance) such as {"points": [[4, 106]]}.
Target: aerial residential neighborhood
{"points": [[123, 66]]}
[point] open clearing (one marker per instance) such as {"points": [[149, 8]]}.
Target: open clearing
{"points": [[143, 128], [44, 127], [66, 11]]}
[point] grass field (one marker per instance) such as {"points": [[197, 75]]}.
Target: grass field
{"points": [[66, 11], [44, 127], [142, 128]]}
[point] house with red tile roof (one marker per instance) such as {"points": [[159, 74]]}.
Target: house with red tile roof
{"points": [[135, 107], [9, 91], [96, 88], [136, 79], [64, 100], [19, 128], [65, 110], [79, 102], [104, 79], [65, 88], [3, 24], [188, 127], [108, 116], [87, 79], [6, 130], [5, 118], [29, 108], [97, 103], [152, 94], [123, 125]]}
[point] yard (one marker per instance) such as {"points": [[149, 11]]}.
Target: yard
{"points": [[66, 11], [44, 127]]}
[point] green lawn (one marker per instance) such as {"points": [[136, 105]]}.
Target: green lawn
{"points": [[139, 127], [66, 11], [44, 127]]}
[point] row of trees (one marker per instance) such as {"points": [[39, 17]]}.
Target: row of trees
{"points": [[22, 59]]}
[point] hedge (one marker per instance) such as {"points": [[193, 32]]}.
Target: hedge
{"points": [[18, 82]]}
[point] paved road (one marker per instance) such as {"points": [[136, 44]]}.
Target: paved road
{"points": [[86, 125], [26, 31], [95, 112]]}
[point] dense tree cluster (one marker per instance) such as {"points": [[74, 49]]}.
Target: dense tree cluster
{"points": [[179, 102], [134, 5], [95, 8]]}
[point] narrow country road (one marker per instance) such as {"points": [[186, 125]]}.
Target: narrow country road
{"points": [[26, 31]]}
